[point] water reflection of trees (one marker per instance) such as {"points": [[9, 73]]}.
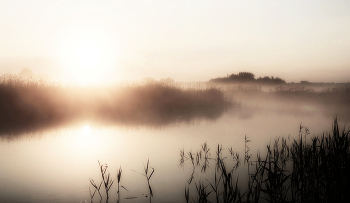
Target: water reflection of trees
{"points": [[31, 105], [14, 132]]}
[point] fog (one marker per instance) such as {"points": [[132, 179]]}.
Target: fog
{"points": [[61, 132], [30, 104]]}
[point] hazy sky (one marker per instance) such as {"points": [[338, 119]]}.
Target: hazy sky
{"points": [[186, 40]]}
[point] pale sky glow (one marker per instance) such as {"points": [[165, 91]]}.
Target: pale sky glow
{"points": [[184, 40]]}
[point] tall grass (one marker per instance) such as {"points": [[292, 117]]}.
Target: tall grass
{"points": [[321, 168], [107, 181], [26, 104], [291, 171], [148, 176], [300, 171]]}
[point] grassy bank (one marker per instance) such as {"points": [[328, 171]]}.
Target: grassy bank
{"points": [[30, 104]]}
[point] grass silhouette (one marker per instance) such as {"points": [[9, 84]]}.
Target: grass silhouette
{"points": [[290, 171], [301, 171], [27, 105]]}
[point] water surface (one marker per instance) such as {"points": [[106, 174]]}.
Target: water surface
{"points": [[55, 165]]}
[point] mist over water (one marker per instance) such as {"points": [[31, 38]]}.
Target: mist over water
{"points": [[55, 162]]}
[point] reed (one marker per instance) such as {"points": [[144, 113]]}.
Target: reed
{"points": [[97, 189], [320, 168], [148, 176], [119, 175], [297, 171], [27, 104], [107, 182], [300, 171]]}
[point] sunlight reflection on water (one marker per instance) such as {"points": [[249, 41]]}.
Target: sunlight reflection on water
{"points": [[57, 167]]}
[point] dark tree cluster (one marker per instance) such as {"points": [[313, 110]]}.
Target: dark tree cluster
{"points": [[248, 77], [270, 80]]}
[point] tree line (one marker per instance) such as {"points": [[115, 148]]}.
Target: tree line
{"points": [[248, 77]]}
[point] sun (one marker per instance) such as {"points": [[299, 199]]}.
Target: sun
{"points": [[86, 52], [86, 129]]}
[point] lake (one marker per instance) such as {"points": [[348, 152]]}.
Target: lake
{"points": [[56, 164]]}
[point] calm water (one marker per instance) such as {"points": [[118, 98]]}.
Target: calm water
{"points": [[56, 165]]}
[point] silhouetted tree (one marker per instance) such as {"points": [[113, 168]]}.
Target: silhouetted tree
{"points": [[272, 80], [248, 77], [242, 77]]}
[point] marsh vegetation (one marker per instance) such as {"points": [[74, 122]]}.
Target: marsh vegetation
{"points": [[28, 105], [31, 104], [305, 169], [298, 170]]}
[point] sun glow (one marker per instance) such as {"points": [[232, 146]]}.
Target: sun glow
{"points": [[87, 52], [84, 139], [86, 130]]}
